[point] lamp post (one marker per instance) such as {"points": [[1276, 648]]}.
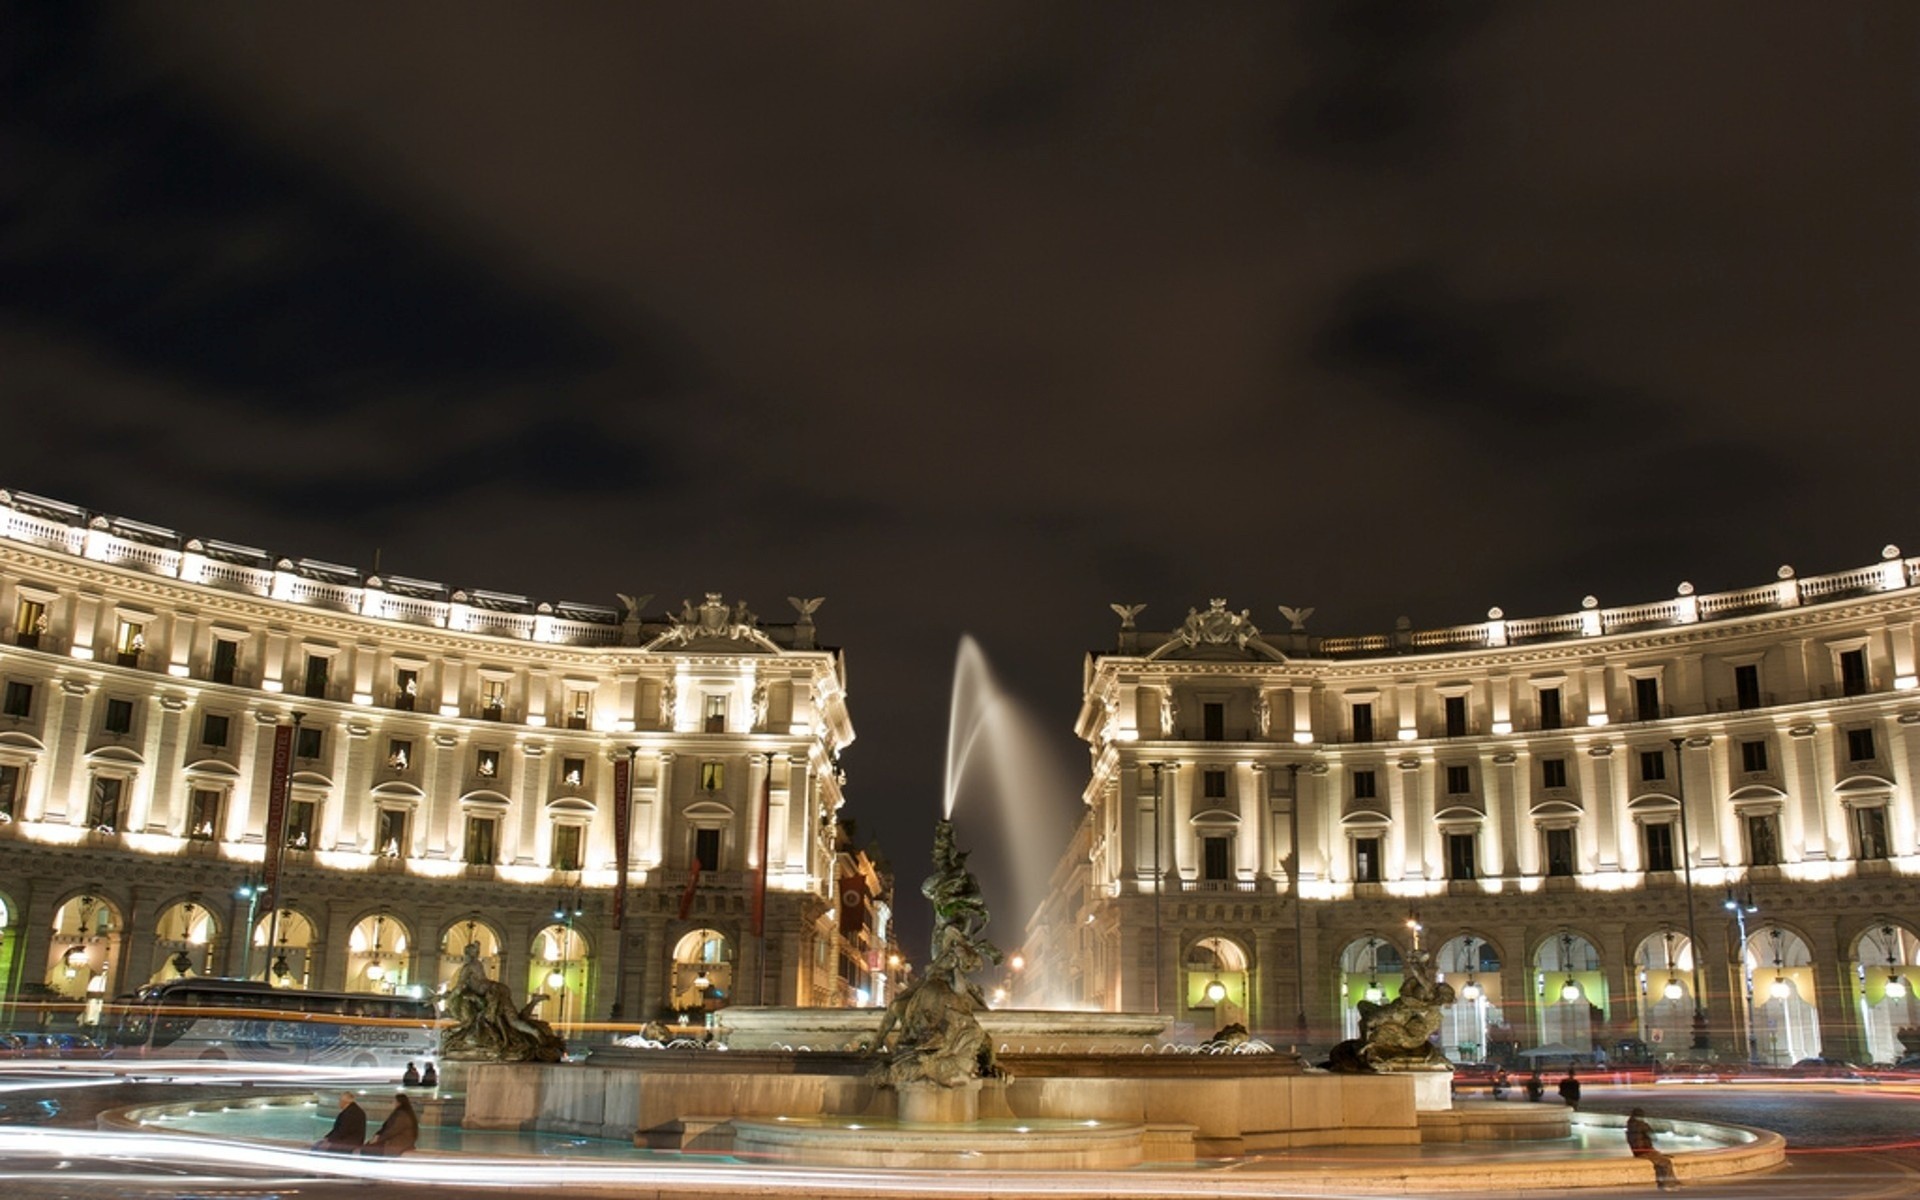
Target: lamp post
{"points": [[1159, 886], [618, 1012], [1299, 919], [1740, 909], [1700, 1038], [250, 892]]}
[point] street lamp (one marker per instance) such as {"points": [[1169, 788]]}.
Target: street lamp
{"points": [[1700, 1039], [1896, 986], [1740, 909], [1159, 887], [1570, 990], [1299, 919]]}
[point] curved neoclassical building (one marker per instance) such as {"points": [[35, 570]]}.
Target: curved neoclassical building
{"points": [[1684, 822], [452, 773]]}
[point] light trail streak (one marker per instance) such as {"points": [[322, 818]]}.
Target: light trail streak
{"points": [[730, 1179]]}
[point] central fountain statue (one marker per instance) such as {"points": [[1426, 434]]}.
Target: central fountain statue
{"points": [[930, 1034]]}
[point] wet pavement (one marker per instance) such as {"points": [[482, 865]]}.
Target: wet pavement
{"points": [[1846, 1142]]}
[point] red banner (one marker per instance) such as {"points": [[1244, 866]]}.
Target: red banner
{"points": [[277, 790], [760, 876], [622, 833], [693, 885]]}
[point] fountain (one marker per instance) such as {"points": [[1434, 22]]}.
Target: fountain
{"points": [[939, 1080]]}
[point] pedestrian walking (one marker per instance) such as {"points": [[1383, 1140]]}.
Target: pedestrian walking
{"points": [[1570, 1089]]}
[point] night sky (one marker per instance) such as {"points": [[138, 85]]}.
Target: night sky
{"points": [[976, 318]]}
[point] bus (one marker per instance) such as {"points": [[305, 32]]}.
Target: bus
{"points": [[251, 1021]]}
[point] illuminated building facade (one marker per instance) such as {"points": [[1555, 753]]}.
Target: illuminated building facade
{"points": [[1688, 823], [452, 778]]}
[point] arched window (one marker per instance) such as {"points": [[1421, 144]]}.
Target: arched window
{"points": [[185, 938]]}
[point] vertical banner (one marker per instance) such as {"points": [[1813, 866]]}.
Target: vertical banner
{"points": [[622, 833], [760, 876], [277, 791]]}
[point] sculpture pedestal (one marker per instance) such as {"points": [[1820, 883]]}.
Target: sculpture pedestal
{"points": [[1432, 1090], [932, 1104]]}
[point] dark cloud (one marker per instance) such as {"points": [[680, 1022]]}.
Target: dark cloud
{"points": [[168, 239], [1433, 351], [1378, 92]]}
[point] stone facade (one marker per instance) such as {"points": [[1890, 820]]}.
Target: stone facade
{"points": [[1562, 809], [452, 779]]}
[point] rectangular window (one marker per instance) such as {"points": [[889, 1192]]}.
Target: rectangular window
{"points": [[487, 764], [1560, 852], [1456, 716], [1366, 860], [103, 803], [1550, 708], [390, 836], [706, 848], [1214, 784], [1853, 673], [1646, 698], [226, 660], [1460, 856], [406, 688], [573, 772], [1363, 722], [1217, 858], [308, 743], [1653, 765], [213, 730], [1459, 781], [10, 792], [128, 641], [119, 718], [203, 815], [1763, 840], [399, 753], [1553, 772], [713, 776], [1860, 745], [1870, 830], [316, 680], [480, 850], [1213, 722], [1363, 785], [566, 847], [716, 714], [19, 699], [300, 815], [1746, 685], [493, 699], [579, 708], [29, 624], [1753, 756], [1659, 847]]}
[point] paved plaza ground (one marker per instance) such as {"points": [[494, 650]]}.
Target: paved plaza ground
{"points": [[1848, 1141]]}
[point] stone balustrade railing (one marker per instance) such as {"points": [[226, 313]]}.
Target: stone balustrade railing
{"points": [[53, 525]]}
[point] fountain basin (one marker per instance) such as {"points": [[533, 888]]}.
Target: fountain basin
{"points": [[1001, 1144], [1012, 1029]]}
